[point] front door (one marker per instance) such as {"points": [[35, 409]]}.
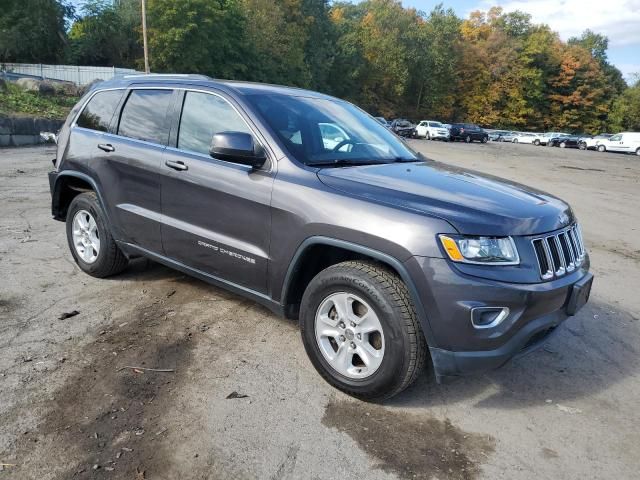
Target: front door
{"points": [[216, 214]]}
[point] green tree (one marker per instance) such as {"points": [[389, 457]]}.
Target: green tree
{"points": [[197, 36], [106, 34], [33, 30], [625, 113]]}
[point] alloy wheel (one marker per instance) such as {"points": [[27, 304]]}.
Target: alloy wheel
{"points": [[349, 335], [86, 238]]}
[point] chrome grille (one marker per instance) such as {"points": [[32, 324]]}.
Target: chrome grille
{"points": [[559, 253]]}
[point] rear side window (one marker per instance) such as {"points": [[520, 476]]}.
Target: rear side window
{"points": [[98, 112], [144, 116], [204, 115]]}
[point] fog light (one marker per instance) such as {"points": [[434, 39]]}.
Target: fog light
{"points": [[488, 317]]}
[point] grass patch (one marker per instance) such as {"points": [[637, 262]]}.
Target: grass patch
{"points": [[15, 101]]}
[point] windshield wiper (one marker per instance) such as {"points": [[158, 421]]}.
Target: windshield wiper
{"points": [[341, 162]]}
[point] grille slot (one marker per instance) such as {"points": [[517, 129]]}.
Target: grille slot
{"points": [[559, 253]]}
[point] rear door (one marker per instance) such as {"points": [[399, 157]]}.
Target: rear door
{"points": [[128, 162], [217, 214]]}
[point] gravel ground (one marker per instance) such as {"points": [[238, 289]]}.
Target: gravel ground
{"points": [[68, 408]]}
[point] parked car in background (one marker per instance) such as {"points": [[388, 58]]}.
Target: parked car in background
{"points": [[568, 141], [592, 142], [546, 137], [383, 121], [524, 137], [508, 136], [432, 130], [496, 135], [468, 132], [626, 142], [403, 127]]}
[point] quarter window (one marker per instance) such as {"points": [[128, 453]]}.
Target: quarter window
{"points": [[144, 116], [204, 115], [99, 111]]}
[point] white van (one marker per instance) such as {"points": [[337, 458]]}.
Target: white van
{"points": [[628, 142]]}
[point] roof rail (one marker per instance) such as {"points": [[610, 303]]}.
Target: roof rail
{"points": [[168, 75]]}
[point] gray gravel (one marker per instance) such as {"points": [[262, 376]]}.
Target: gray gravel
{"points": [[68, 410]]}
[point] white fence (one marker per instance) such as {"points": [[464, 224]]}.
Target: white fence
{"points": [[70, 73]]}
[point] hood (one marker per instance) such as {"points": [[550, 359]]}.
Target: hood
{"points": [[474, 203]]}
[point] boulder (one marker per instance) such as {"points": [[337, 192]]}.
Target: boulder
{"points": [[47, 88], [28, 84]]}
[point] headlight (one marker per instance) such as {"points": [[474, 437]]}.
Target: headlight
{"points": [[481, 250]]}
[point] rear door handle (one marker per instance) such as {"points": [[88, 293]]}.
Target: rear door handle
{"points": [[107, 147], [176, 165]]}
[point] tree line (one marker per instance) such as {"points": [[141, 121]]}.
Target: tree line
{"points": [[494, 68]]}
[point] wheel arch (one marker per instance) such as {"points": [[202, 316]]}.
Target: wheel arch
{"points": [[298, 277], [68, 185]]}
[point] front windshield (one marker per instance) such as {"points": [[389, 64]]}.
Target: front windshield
{"points": [[319, 131]]}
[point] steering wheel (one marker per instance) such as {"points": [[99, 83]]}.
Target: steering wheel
{"points": [[347, 141]]}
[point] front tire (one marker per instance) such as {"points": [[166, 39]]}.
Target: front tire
{"points": [[602, 148], [563, 145], [485, 139], [360, 330], [536, 142], [467, 139], [91, 244]]}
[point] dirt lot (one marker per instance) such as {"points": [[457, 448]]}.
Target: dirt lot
{"points": [[68, 408]]}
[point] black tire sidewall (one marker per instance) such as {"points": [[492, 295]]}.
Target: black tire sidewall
{"points": [[89, 203], [390, 372]]}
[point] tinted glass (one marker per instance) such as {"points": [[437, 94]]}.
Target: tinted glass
{"points": [[144, 116], [99, 111], [204, 115], [302, 125]]}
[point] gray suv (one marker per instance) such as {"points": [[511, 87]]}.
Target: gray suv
{"points": [[307, 205]]}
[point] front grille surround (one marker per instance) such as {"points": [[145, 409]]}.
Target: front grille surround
{"points": [[560, 252]]}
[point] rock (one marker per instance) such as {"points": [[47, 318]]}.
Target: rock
{"points": [[28, 84], [47, 88]]}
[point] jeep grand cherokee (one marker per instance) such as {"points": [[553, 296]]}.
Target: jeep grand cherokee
{"points": [[306, 204]]}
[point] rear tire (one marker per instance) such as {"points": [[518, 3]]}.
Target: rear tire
{"points": [[485, 139], [602, 148], [515, 140], [536, 142], [106, 258], [467, 139], [563, 145], [582, 146], [638, 152], [400, 342]]}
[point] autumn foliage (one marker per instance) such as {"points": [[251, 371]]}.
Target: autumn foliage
{"points": [[494, 68]]}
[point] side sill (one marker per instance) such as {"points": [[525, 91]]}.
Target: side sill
{"points": [[262, 299]]}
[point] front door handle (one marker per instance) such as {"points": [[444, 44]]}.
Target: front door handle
{"points": [[176, 165], [107, 147]]}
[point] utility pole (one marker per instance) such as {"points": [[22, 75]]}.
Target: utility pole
{"points": [[144, 37]]}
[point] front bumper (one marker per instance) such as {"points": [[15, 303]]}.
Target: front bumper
{"points": [[457, 347]]}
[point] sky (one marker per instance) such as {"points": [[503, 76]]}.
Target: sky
{"points": [[617, 19]]}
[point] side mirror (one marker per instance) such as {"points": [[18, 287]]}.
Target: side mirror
{"points": [[237, 147]]}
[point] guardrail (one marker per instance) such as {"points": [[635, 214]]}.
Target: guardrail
{"points": [[80, 75]]}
